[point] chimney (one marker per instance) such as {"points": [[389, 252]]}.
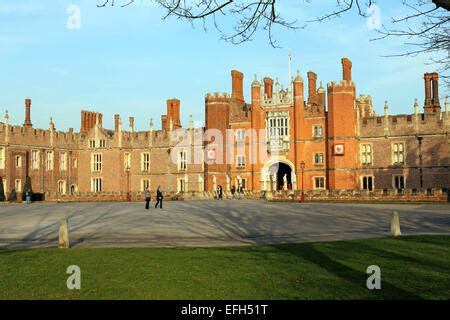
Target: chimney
{"points": [[321, 96], [132, 124], [27, 122], [346, 69], [173, 112], [100, 119], [435, 98], [312, 93], [83, 121], [237, 85], [164, 122], [427, 106], [268, 87], [116, 122]]}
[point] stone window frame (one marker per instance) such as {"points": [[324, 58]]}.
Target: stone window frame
{"points": [[398, 175], [314, 158], [102, 143], [361, 184], [393, 143], [96, 162], [18, 161], [324, 182], [361, 153], [127, 162], [181, 185], [34, 163], [241, 164], [2, 157], [145, 163], [143, 184], [64, 186], [74, 163], [62, 161], [18, 185], [182, 160], [49, 161], [314, 126], [92, 143], [94, 188], [240, 135]]}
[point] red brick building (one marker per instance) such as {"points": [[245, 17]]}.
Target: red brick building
{"points": [[285, 138]]}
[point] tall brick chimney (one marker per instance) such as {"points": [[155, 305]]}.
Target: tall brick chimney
{"points": [[237, 91], [173, 112], [132, 124], [346, 69], [27, 122], [427, 103], [268, 87], [435, 98], [116, 122], [312, 93]]}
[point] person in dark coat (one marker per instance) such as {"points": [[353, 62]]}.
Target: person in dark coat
{"points": [[220, 192], [148, 197], [159, 197], [233, 190]]}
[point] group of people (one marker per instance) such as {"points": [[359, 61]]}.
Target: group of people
{"points": [[159, 198], [233, 190]]}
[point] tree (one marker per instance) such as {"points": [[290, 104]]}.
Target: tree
{"points": [[2, 192], [27, 188], [426, 27]]}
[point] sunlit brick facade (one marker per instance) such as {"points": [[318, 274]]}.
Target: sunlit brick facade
{"points": [[308, 138]]}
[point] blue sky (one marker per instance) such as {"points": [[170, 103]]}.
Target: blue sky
{"points": [[129, 61]]}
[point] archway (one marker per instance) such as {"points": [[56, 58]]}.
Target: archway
{"points": [[280, 174]]}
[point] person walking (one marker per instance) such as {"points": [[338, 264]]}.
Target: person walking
{"points": [[220, 192], [159, 198], [233, 191], [148, 197]]}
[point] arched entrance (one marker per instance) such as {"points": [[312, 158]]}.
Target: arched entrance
{"points": [[280, 176]]}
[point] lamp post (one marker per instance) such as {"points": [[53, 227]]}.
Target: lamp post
{"points": [[302, 197], [128, 182]]}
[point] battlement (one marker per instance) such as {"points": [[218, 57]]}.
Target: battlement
{"points": [[341, 86], [216, 97]]}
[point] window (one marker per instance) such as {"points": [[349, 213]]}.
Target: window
{"points": [[398, 182], [127, 161], [49, 161], [240, 161], [103, 143], [398, 155], [319, 182], [240, 135], [366, 154], [63, 161], [145, 184], [18, 185], [145, 161], [278, 127], [35, 159], [182, 160], [317, 131], [74, 163], [181, 185], [62, 187], [18, 161], [91, 143], [367, 183], [96, 185], [2, 158], [318, 158], [96, 162]]}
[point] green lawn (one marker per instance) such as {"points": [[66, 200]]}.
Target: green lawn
{"points": [[411, 268]]}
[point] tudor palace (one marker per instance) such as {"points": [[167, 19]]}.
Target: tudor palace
{"points": [[315, 139]]}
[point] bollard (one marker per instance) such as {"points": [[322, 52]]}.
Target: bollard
{"points": [[63, 241], [395, 224]]}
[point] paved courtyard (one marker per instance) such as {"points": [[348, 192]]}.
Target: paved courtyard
{"points": [[210, 223]]}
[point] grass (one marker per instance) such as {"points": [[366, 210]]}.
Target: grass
{"points": [[411, 268]]}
